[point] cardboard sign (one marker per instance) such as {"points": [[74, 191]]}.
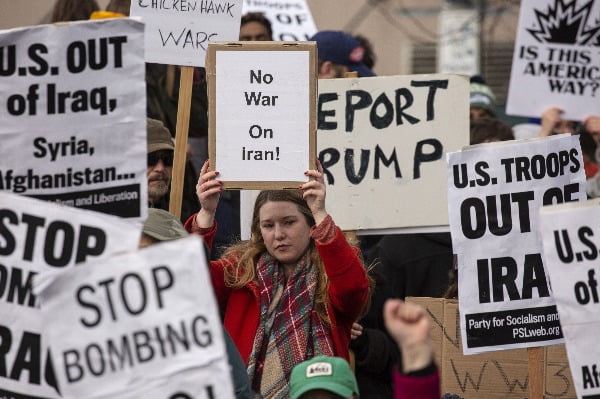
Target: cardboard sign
{"points": [[135, 324], [570, 236], [291, 20], [262, 120], [72, 131], [494, 375], [556, 62], [382, 141], [494, 195], [178, 31], [38, 237]]}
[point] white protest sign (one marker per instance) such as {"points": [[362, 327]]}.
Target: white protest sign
{"points": [[570, 236], [494, 195], [458, 50], [142, 324], [38, 237], [291, 20], [271, 90], [178, 31], [556, 60], [382, 141], [73, 115]]}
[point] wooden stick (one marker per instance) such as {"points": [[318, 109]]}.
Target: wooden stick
{"points": [[351, 234], [536, 372], [181, 137]]}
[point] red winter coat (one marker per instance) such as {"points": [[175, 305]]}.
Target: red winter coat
{"points": [[348, 292], [412, 387]]}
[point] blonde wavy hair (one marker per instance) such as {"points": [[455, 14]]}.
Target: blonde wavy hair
{"points": [[248, 252]]}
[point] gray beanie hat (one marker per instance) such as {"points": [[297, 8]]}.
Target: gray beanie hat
{"points": [[163, 226]]}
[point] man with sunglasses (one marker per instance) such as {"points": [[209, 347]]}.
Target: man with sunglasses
{"points": [[160, 163]]}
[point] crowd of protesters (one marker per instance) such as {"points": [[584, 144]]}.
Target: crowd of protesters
{"points": [[297, 298]]}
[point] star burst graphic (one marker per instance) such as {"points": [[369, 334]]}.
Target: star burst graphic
{"points": [[564, 23]]}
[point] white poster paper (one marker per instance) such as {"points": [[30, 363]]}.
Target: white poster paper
{"points": [[291, 20], [494, 195], [269, 94], [39, 237], [382, 141], [458, 48], [178, 31], [73, 115], [570, 236], [556, 60], [142, 324]]}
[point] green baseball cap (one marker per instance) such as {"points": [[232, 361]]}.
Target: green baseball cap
{"points": [[163, 226], [332, 374]]}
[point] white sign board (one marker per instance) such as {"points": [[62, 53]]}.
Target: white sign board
{"points": [[458, 49], [556, 59], [178, 31], [142, 324], [382, 141], [570, 235], [37, 237], [494, 195], [291, 20], [271, 91], [73, 115]]}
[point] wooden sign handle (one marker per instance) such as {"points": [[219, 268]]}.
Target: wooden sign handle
{"points": [[536, 372], [351, 235], [181, 137]]}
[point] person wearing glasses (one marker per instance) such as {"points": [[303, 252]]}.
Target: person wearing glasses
{"points": [[160, 163]]}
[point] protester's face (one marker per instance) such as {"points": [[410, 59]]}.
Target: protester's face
{"points": [[285, 231], [563, 126], [322, 394], [596, 135], [329, 70], [254, 31], [146, 241], [476, 113], [340, 70], [159, 170]]}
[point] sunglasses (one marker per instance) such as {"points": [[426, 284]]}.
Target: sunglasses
{"points": [[166, 157]]}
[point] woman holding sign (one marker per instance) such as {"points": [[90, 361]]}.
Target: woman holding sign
{"points": [[293, 290]]}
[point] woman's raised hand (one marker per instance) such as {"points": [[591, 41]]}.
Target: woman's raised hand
{"points": [[314, 193], [208, 190]]}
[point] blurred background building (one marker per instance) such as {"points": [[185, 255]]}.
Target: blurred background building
{"points": [[408, 36]]}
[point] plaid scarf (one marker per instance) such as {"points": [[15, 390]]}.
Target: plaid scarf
{"points": [[289, 330]]}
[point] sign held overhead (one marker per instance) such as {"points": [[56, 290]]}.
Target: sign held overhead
{"points": [[556, 59], [178, 31], [382, 141], [271, 90]]}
